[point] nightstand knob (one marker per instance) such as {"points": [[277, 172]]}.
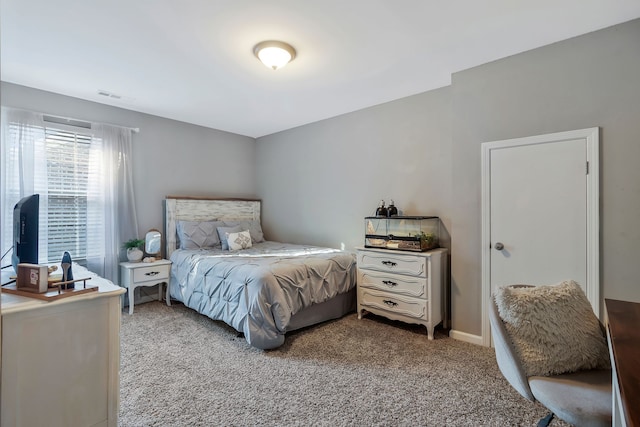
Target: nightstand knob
{"points": [[389, 263], [390, 303], [389, 283], [152, 273]]}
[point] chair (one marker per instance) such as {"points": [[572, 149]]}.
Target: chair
{"points": [[581, 398]]}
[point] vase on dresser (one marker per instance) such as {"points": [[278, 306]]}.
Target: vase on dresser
{"points": [[134, 254]]}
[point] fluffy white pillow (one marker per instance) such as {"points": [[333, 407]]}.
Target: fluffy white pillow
{"points": [[553, 328], [240, 240]]}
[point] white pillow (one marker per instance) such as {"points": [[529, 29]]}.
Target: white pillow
{"points": [[553, 328], [254, 227], [223, 233], [240, 240]]}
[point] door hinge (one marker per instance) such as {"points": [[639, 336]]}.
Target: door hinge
{"points": [[587, 168]]}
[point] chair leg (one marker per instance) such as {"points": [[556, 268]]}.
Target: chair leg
{"points": [[544, 422]]}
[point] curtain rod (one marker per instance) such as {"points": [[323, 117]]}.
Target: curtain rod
{"points": [[72, 121], [80, 123]]}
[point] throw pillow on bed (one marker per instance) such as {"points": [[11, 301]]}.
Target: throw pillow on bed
{"points": [[198, 234], [222, 233], [254, 227], [237, 241], [553, 328]]}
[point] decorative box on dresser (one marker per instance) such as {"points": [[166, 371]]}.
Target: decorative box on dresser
{"points": [[402, 285], [136, 274]]}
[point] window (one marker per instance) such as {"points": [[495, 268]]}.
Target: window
{"points": [[66, 174], [70, 215], [82, 172]]}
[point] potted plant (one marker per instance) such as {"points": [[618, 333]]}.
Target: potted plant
{"points": [[134, 253], [427, 240]]}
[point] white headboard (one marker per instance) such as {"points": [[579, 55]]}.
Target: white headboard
{"points": [[178, 208]]}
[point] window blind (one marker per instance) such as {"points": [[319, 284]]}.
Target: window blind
{"points": [[74, 217]]}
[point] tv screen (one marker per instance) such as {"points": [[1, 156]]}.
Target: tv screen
{"points": [[25, 231]]}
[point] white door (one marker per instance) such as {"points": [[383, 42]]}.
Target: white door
{"points": [[538, 211]]}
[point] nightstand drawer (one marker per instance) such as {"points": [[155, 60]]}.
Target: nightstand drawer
{"points": [[406, 306], [393, 283], [392, 263], [153, 272]]}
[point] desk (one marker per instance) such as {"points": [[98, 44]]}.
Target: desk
{"points": [[61, 359], [623, 336]]}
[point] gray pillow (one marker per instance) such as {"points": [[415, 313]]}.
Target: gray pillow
{"points": [[222, 235], [198, 234], [254, 227]]}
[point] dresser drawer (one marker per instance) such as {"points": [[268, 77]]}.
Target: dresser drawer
{"points": [[405, 306], [153, 272], [394, 283], [393, 263]]}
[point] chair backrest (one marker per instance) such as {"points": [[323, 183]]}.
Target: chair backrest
{"points": [[506, 356]]}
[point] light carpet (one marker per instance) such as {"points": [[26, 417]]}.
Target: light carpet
{"points": [[179, 368]]}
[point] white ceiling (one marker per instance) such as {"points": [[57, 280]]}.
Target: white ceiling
{"points": [[192, 60]]}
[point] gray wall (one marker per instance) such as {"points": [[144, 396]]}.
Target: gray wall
{"points": [[591, 80], [169, 157], [319, 181]]}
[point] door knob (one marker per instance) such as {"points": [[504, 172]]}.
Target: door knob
{"points": [[499, 246]]}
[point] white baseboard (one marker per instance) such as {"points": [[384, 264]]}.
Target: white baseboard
{"points": [[463, 336]]}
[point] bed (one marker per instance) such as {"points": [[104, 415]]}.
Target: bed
{"points": [[263, 289]]}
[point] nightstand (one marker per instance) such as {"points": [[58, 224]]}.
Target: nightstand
{"points": [[136, 274]]}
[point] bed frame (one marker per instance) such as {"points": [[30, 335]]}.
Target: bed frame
{"points": [[204, 209], [201, 209]]}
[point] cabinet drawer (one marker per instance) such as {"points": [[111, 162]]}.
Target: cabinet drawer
{"points": [[394, 283], [413, 265], [406, 306], [153, 272]]}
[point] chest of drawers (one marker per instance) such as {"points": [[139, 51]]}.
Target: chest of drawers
{"points": [[402, 286]]}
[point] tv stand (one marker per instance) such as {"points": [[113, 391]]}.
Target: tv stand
{"points": [[61, 359]]}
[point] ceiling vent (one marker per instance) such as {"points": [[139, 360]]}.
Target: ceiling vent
{"points": [[108, 94]]}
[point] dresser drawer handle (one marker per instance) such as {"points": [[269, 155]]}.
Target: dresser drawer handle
{"points": [[390, 303], [389, 283], [389, 263], [152, 273]]}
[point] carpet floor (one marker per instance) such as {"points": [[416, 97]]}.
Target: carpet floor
{"points": [[179, 368]]}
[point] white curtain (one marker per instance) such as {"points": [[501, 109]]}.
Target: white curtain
{"points": [[120, 221], [23, 171], [111, 216]]}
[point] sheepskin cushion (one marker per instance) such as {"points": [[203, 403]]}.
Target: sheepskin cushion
{"points": [[553, 328]]}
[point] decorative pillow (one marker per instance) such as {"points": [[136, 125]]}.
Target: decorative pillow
{"points": [[222, 234], [237, 241], [198, 234], [254, 227], [553, 328]]}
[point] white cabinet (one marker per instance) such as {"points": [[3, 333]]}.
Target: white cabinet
{"points": [[136, 274], [399, 285], [61, 359]]}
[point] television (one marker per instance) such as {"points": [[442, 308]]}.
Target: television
{"points": [[25, 231]]}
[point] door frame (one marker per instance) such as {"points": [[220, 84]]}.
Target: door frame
{"points": [[592, 287]]}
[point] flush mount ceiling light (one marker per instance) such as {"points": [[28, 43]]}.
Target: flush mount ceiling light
{"points": [[274, 54]]}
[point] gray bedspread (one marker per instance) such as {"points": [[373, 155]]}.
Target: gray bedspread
{"points": [[257, 290]]}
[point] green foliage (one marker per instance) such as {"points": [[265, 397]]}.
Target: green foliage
{"points": [[133, 243]]}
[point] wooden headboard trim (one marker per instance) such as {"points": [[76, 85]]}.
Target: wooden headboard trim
{"points": [[178, 208]]}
